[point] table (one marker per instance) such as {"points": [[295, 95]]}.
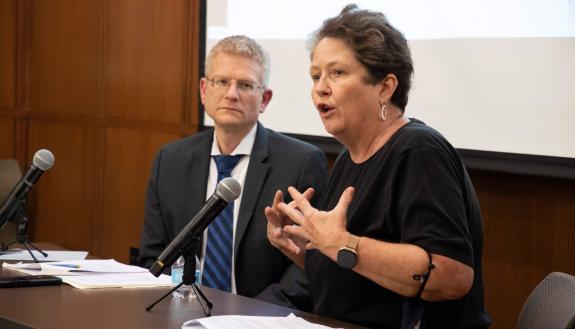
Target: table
{"points": [[66, 307]]}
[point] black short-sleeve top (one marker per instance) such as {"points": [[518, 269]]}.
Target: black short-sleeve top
{"points": [[414, 190]]}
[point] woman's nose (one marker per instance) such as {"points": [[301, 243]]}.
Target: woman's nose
{"points": [[322, 87]]}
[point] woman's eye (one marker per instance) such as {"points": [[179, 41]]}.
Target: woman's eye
{"points": [[315, 77], [338, 73]]}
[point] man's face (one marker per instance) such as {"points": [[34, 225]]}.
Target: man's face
{"points": [[232, 94]]}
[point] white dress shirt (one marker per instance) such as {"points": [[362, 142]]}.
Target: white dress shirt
{"points": [[239, 173]]}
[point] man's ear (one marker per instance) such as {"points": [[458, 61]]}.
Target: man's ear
{"points": [[266, 98], [203, 86]]}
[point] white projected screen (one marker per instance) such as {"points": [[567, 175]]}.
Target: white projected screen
{"points": [[490, 75]]}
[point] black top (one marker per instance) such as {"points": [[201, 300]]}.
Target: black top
{"points": [[414, 190]]}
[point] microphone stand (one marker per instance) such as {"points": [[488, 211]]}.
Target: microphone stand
{"points": [[22, 233], [189, 278]]}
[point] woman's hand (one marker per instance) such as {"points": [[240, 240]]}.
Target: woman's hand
{"points": [[391, 265], [324, 230], [289, 245]]}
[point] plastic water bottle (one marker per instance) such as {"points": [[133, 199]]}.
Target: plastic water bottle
{"points": [[185, 291]]}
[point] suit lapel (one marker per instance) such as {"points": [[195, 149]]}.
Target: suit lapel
{"points": [[197, 166], [255, 178]]}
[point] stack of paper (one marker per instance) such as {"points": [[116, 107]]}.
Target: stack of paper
{"points": [[94, 273], [117, 280], [53, 255], [74, 267], [252, 322]]}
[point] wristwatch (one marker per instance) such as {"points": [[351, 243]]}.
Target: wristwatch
{"points": [[347, 255]]}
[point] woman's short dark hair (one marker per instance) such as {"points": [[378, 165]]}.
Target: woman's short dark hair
{"points": [[380, 47]]}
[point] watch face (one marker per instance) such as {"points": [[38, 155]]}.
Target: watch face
{"points": [[346, 258]]}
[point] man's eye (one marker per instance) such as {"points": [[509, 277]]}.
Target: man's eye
{"points": [[315, 77], [245, 85], [222, 82]]}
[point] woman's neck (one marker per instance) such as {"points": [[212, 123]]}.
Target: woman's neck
{"points": [[364, 145]]}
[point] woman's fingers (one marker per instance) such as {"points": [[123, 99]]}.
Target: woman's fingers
{"points": [[345, 199], [300, 200], [279, 239], [278, 197]]}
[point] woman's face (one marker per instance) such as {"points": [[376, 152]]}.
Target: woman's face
{"points": [[346, 103]]}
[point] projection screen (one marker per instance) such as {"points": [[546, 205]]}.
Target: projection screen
{"points": [[497, 78]]}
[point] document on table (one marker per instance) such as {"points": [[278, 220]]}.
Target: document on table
{"points": [[252, 322], [74, 267], [94, 273], [117, 280], [53, 255]]}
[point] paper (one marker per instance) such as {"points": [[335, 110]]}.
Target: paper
{"points": [[10, 251], [252, 322], [117, 280], [74, 267], [53, 255]]}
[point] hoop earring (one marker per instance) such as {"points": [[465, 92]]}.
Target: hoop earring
{"points": [[383, 112]]}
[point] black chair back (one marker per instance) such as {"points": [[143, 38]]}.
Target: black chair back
{"points": [[10, 174], [551, 305]]}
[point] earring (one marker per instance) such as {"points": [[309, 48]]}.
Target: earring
{"points": [[384, 112]]}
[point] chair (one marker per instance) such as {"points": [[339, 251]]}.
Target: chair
{"points": [[10, 174], [551, 305]]}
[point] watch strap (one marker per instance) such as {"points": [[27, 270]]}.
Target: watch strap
{"points": [[352, 242]]}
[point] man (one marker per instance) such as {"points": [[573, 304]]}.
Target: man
{"points": [[185, 173]]}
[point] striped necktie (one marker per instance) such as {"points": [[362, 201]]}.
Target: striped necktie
{"points": [[219, 247]]}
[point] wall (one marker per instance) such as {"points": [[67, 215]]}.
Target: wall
{"points": [[103, 83], [529, 232]]}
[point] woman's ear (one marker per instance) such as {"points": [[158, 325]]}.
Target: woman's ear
{"points": [[388, 86]]}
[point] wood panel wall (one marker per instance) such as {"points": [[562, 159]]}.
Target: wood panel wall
{"points": [[529, 232], [103, 83], [7, 78], [8, 55]]}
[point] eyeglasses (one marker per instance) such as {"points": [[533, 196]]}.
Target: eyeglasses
{"points": [[244, 86]]}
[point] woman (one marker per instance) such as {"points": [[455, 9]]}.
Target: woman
{"points": [[397, 239]]}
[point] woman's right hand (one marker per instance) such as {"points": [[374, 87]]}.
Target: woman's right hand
{"points": [[290, 245]]}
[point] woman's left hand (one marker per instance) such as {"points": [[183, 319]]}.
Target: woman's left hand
{"points": [[325, 230]]}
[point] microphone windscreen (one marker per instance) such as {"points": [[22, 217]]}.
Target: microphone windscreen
{"points": [[229, 189], [43, 160]]}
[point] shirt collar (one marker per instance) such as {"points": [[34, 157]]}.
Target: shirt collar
{"points": [[244, 148]]}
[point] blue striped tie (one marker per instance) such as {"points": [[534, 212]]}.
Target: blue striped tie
{"points": [[218, 259]]}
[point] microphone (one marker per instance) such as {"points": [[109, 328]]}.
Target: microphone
{"points": [[42, 161], [227, 190]]}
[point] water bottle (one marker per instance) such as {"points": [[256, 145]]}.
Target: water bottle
{"points": [[185, 291]]}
